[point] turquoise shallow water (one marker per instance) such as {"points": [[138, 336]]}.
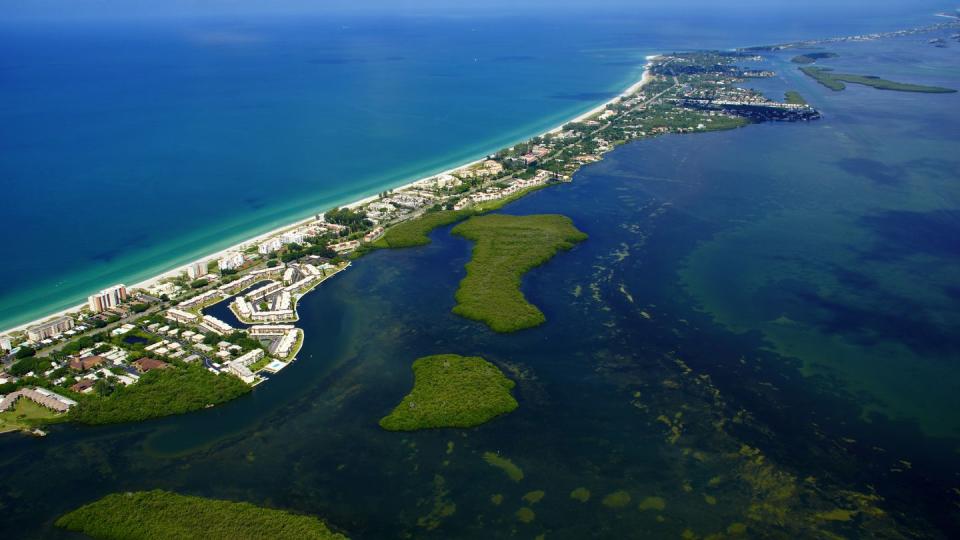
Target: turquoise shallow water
{"points": [[129, 147], [761, 330]]}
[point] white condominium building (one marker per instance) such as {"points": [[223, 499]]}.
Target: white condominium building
{"points": [[270, 246], [292, 237], [50, 329], [107, 298], [230, 261]]}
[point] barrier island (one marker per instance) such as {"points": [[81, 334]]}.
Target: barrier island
{"points": [[835, 81], [506, 247], [451, 391], [162, 514]]}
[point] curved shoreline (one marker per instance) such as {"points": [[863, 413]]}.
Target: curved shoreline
{"points": [[179, 268]]}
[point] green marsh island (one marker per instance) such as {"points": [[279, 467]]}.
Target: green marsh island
{"points": [[810, 58], [162, 514], [414, 232], [451, 391], [835, 81], [794, 98], [505, 248]]}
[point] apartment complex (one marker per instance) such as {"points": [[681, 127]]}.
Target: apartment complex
{"points": [[107, 298]]}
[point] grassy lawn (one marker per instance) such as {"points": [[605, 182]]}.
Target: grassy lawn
{"points": [[162, 514], [25, 415], [506, 247], [835, 81], [452, 391]]}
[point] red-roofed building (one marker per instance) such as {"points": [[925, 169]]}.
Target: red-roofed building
{"points": [[144, 365], [87, 362], [83, 386]]}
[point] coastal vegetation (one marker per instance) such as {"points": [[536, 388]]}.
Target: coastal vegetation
{"points": [[794, 98], [159, 392], [506, 247], [835, 81], [414, 232], [452, 391], [812, 57], [163, 514]]}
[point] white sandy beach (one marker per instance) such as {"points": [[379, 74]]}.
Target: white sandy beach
{"points": [[173, 272]]}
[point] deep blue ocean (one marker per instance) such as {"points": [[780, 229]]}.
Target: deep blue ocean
{"points": [[130, 147]]}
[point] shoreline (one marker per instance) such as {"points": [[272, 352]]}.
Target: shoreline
{"points": [[239, 246]]}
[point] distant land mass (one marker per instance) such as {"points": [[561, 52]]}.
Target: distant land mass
{"points": [[835, 81], [810, 58]]}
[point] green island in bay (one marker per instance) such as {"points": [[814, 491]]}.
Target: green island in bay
{"points": [[451, 391], [835, 81], [505, 248], [414, 232], [162, 514], [160, 392], [810, 58], [794, 98]]}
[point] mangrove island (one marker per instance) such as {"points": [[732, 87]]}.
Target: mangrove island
{"points": [[452, 391]]}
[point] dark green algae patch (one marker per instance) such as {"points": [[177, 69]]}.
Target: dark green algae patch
{"points": [[451, 391], [163, 514]]}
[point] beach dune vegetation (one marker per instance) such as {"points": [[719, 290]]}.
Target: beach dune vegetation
{"points": [[451, 391], [162, 514], [505, 248]]}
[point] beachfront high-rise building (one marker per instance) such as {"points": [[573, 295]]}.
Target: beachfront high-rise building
{"points": [[6, 344], [107, 298], [230, 261], [269, 246], [197, 270], [49, 329], [292, 237]]}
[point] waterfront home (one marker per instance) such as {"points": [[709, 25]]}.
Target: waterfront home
{"points": [[40, 396], [373, 235], [178, 315], [344, 247]]}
